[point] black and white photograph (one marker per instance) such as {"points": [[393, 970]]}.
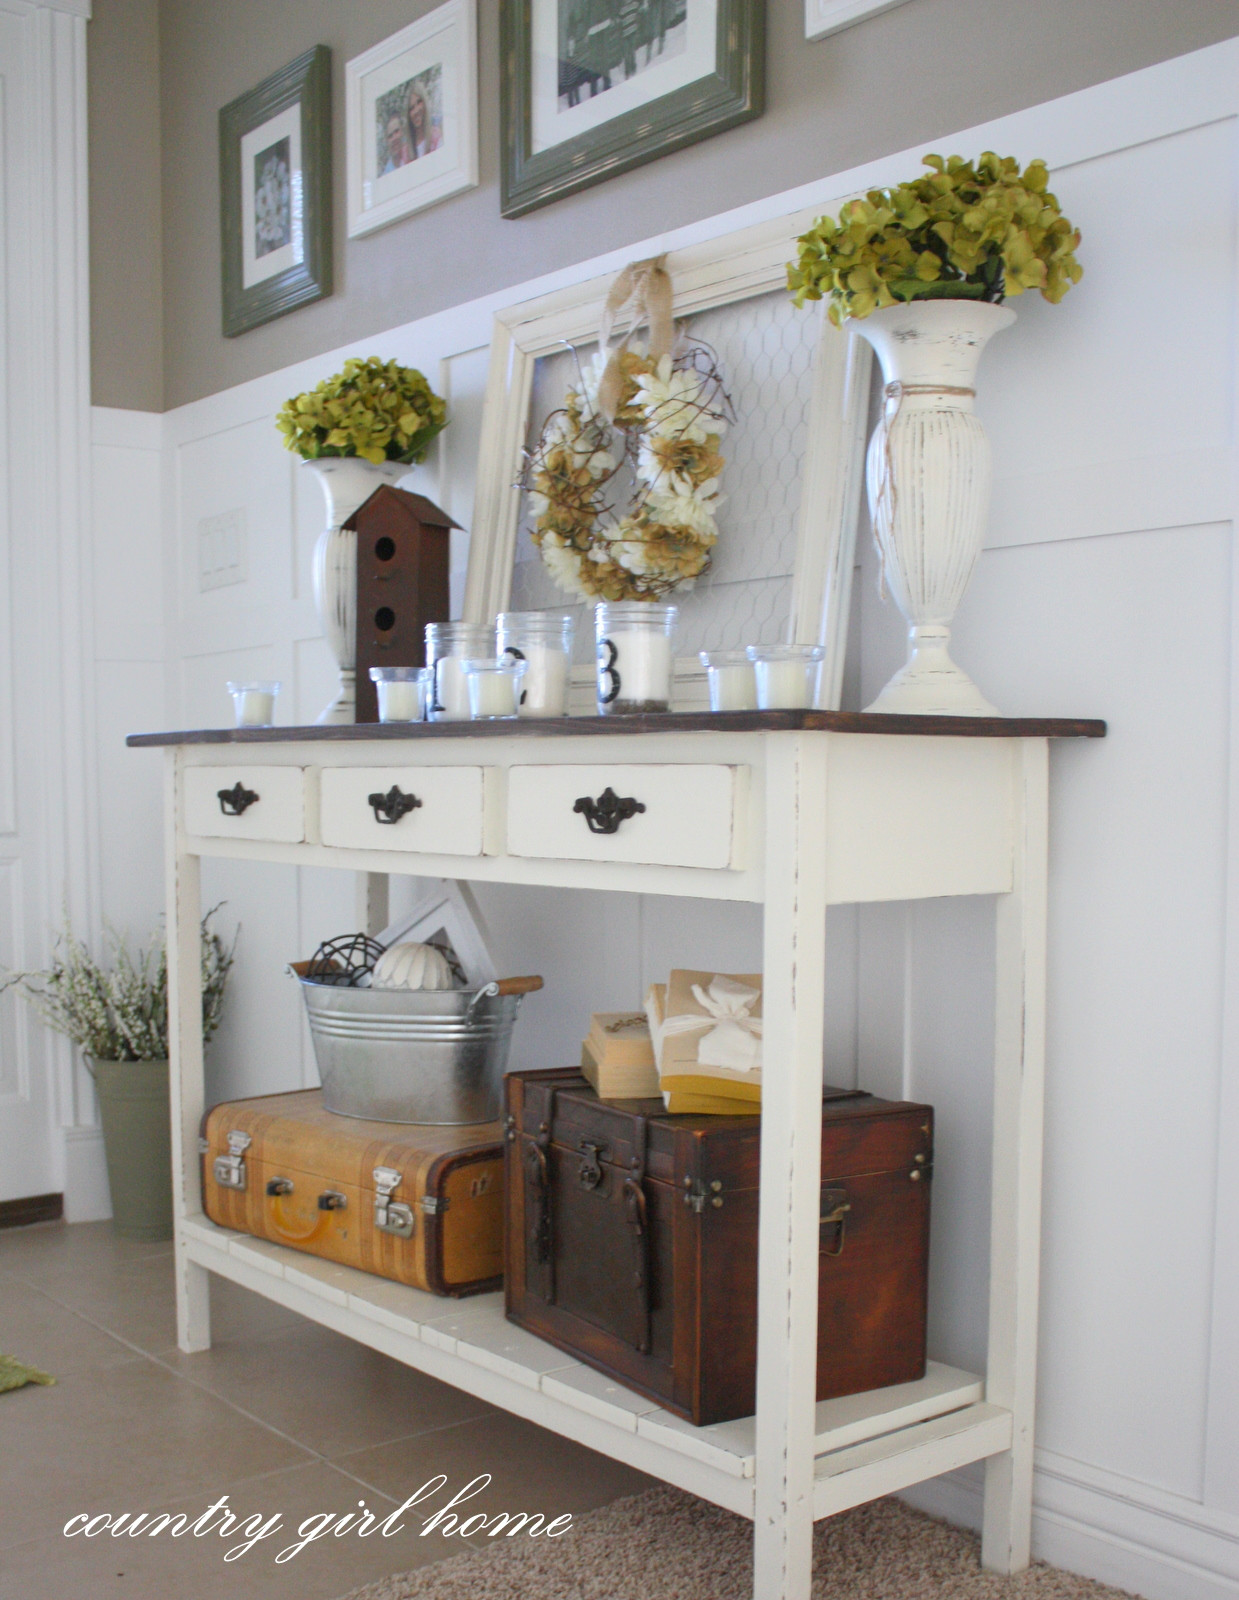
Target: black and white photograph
{"points": [[602, 44]]}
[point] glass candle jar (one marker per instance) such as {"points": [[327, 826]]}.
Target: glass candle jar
{"points": [[494, 686], [400, 693], [448, 646], [634, 656], [543, 640], [733, 686], [788, 675], [253, 704]]}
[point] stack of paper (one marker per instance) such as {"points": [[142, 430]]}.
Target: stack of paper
{"points": [[705, 1028], [618, 1058]]}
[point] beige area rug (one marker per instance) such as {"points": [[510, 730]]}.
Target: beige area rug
{"points": [[666, 1545]]}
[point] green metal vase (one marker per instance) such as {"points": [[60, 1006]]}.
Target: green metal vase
{"points": [[137, 1141]]}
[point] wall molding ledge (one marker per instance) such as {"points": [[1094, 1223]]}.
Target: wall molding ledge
{"points": [[114, 427], [1163, 1546]]}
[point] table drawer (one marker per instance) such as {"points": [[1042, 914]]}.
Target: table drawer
{"points": [[246, 803], [688, 816], [446, 818]]}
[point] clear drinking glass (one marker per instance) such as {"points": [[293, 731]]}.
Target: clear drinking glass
{"points": [[788, 675], [634, 656], [448, 646], [253, 704], [543, 639], [494, 686], [401, 693], [733, 686]]}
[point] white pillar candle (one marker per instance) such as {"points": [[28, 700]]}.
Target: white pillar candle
{"points": [[492, 693], [255, 708], [544, 689], [451, 689], [400, 700], [642, 666], [733, 687]]}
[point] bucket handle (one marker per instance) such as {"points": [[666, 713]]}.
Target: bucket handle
{"points": [[521, 986]]}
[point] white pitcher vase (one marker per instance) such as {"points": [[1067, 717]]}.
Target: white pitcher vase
{"points": [[928, 477], [348, 482]]}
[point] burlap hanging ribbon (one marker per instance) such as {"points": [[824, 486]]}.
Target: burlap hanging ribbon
{"points": [[643, 290]]}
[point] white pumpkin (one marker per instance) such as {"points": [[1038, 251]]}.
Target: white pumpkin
{"points": [[412, 966]]}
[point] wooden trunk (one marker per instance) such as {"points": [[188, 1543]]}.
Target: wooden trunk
{"points": [[631, 1241], [422, 1205]]}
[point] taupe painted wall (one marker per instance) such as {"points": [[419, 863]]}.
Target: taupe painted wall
{"points": [[904, 78], [126, 248]]}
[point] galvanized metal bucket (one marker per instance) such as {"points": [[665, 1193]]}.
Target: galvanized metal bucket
{"points": [[424, 1056]]}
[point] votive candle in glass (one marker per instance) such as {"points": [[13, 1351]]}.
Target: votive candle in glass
{"points": [[543, 640], [634, 656], [448, 646], [788, 675], [733, 686], [399, 691], [494, 686], [253, 704]]}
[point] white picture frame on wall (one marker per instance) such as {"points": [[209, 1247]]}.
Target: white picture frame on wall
{"points": [[823, 17], [723, 272], [411, 118]]}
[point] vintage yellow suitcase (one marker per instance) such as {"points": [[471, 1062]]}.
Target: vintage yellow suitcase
{"points": [[423, 1205]]}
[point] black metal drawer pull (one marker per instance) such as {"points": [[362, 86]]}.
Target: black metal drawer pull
{"points": [[393, 805], [605, 814], [232, 802]]}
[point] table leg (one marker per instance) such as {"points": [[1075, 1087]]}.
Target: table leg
{"points": [[793, 960], [184, 919], [1015, 1223]]}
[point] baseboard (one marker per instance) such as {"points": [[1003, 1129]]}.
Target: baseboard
{"points": [[32, 1208], [86, 1176], [1105, 1526]]}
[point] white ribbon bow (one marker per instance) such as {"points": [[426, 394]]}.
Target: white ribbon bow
{"points": [[735, 1039]]}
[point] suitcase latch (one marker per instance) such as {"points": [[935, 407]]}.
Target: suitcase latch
{"points": [[229, 1170], [391, 1216], [834, 1220], [697, 1193], [589, 1173]]}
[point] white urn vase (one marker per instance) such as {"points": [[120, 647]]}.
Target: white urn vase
{"points": [[928, 477], [348, 482]]}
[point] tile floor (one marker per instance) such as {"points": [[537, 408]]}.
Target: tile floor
{"points": [[280, 1415]]}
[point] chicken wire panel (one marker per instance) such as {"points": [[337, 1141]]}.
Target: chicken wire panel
{"points": [[764, 348]]}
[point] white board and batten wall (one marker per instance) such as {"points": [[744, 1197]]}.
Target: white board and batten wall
{"points": [[1108, 588]]}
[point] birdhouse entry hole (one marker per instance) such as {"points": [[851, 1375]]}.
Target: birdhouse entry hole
{"points": [[385, 619], [384, 548]]}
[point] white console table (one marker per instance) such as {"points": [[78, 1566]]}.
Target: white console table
{"points": [[795, 811]]}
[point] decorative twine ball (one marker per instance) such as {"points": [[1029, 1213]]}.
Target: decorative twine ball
{"points": [[412, 966]]}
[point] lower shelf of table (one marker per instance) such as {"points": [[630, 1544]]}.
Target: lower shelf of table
{"points": [[866, 1445]]}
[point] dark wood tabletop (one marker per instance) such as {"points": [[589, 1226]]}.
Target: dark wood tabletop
{"points": [[664, 723]]}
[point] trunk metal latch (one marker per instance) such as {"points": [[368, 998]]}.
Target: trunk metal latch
{"points": [[697, 1193], [229, 1170], [833, 1222], [391, 1216]]}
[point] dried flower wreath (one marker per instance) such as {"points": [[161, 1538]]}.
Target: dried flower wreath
{"points": [[668, 422], [661, 412]]}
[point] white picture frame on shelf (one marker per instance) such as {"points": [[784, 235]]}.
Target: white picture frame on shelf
{"points": [[724, 272], [411, 118], [823, 17]]}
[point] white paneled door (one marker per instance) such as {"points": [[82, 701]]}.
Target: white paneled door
{"points": [[44, 789]]}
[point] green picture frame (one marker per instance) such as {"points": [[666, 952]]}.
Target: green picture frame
{"points": [[275, 194], [732, 91]]}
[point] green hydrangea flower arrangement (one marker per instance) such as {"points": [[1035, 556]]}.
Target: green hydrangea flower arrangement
{"points": [[964, 230], [374, 409]]}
